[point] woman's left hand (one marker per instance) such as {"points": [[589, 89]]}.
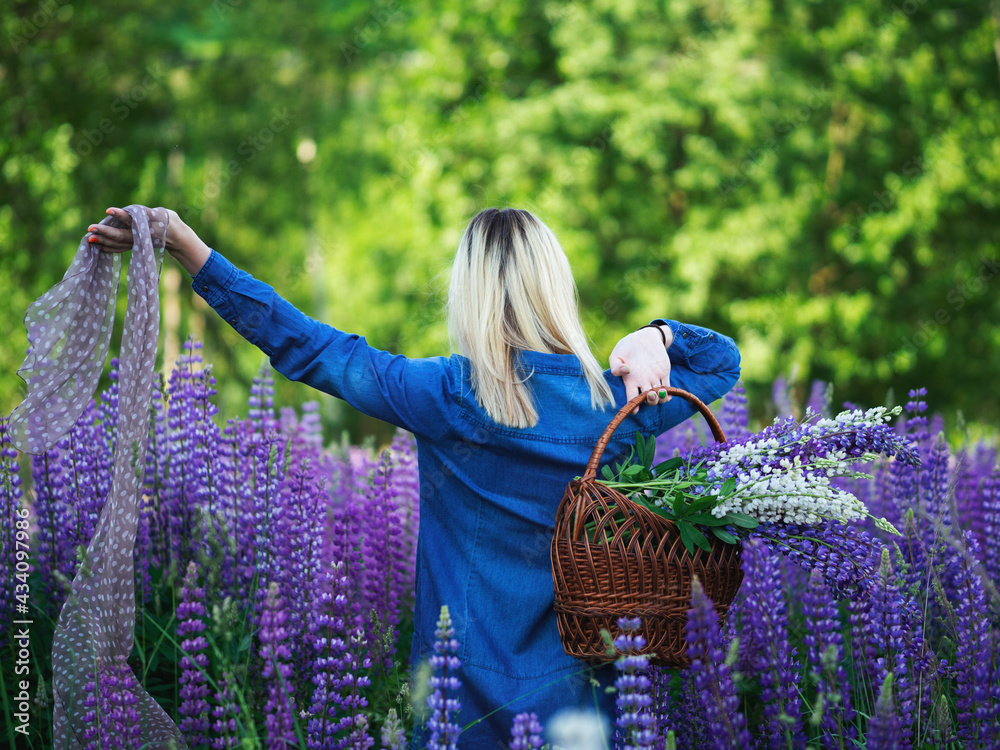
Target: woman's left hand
{"points": [[641, 360]]}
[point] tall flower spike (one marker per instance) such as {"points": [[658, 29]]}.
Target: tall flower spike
{"points": [[991, 523], [635, 721], [193, 679], [526, 732], [765, 625], [977, 714], [275, 653], [780, 398], [444, 730], [718, 702], [733, 416], [885, 728], [824, 650]]}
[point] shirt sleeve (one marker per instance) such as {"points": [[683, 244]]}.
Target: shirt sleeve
{"points": [[703, 362], [409, 393]]}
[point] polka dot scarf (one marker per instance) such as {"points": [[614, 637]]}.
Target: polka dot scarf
{"points": [[69, 333]]}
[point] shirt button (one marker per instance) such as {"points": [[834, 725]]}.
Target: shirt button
{"points": [[204, 288]]}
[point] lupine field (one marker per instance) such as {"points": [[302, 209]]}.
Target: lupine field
{"points": [[274, 579]]}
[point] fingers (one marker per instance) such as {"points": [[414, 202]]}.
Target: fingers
{"points": [[107, 238], [121, 214]]}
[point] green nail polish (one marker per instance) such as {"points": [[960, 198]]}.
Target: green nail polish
{"points": [[663, 394]]}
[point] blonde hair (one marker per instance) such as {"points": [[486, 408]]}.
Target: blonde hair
{"points": [[512, 289]]}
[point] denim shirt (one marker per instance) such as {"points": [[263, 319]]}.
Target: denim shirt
{"points": [[488, 493]]}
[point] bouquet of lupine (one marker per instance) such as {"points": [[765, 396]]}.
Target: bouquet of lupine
{"points": [[776, 485]]}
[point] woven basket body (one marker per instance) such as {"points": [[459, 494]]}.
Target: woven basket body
{"points": [[639, 566]]}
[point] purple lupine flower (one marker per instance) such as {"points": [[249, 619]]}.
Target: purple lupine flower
{"points": [[977, 714], [406, 480], [280, 707], [346, 532], [311, 426], [526, 732], [121, 726], [845, 557], [886, 730], [902, 485], [385, 556], [717, 701], [991, 523], [824, 644], [193, 484], [780, 397], [261, 402], [52, 515], [157, 459], [69, 483], [179, 512], [269, 459], [934, 481], [193, 680], [691, 730], [110, 715], [325, 628], [635, 721], [445, 663], [149, 536], [336, 707], [664, 708], [90, 736], [224, 712], [733, 417], [681, 440], [297, 548], [889, 636], [764, 624], [819, 398]]}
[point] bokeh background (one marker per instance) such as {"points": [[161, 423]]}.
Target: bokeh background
{"points": [[817, 178]]}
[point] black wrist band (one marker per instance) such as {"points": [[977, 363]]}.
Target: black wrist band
{"points": [[662, 334]]}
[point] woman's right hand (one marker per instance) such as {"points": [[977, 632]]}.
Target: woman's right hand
{"points": [[181, 241], [643, 363]]}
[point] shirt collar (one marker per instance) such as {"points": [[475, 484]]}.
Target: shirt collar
{"points": [[547, 361]]}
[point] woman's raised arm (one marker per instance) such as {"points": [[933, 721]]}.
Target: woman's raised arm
{"points": [[410, 393]]}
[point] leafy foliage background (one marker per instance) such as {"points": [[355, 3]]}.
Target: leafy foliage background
{"points": [[817, 178]]}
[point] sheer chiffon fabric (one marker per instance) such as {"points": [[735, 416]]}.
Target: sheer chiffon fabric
{"points": [[69, 334]]}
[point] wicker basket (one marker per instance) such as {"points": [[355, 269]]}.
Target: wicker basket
{"points": [[643, 571]]}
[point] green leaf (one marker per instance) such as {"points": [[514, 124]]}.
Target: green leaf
{"points": [[742, 520], [607, 473], [706, 519], [633, 471], [724, 535], [648, 451], [685, 530], [669, 466], [700, 504], [645, 502], [700, 539], [727, 487]]}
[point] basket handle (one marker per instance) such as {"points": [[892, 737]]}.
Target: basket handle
{"points": [[595, 457]]}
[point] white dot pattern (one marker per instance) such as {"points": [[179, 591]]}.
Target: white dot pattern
{"points": [[69, 334]]}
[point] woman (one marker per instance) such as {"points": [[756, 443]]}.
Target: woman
{"points": [[501, 428]]}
